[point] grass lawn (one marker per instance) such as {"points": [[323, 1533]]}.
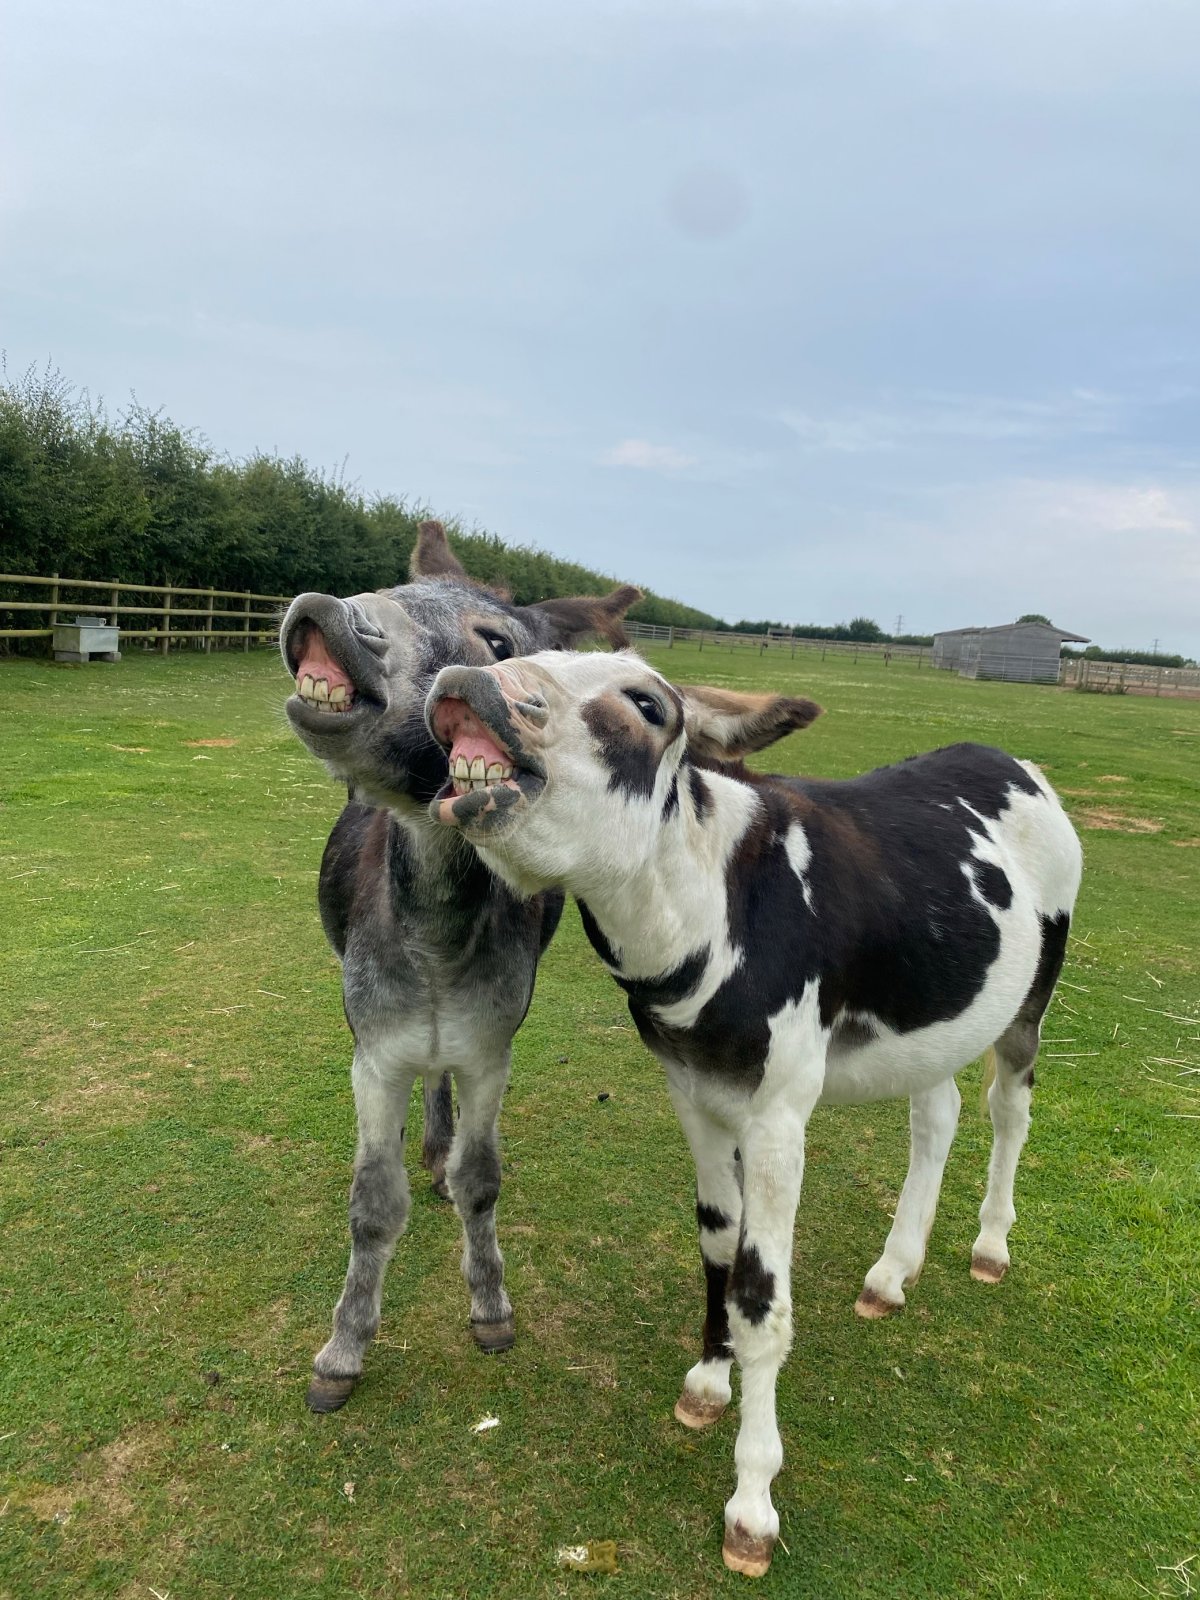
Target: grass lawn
{"points": [[176, 1132]]}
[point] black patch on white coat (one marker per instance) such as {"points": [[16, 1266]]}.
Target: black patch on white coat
{"points": [[671, 803], [631, 759], [717, 1343], [700, 792], [711, 1218], [992, 883], [901, 937], [665, 989], [751, 1286]]}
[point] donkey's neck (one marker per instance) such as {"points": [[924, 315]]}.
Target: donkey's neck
{"points": [[652, 917], [435, 864]]}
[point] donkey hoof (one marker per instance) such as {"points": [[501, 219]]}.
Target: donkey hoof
{"points": [[744, 1553], [872, 1306], [328, 1394], [492, 1337], [696, 1412], [439, 1186], [985, 1270]]}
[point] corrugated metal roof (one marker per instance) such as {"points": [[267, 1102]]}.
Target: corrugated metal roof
{"points": [[1003, 627]]}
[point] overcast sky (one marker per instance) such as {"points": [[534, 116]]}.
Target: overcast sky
{"points": [[800, 310]]}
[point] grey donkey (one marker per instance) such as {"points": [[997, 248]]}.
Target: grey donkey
{"points": [[438, 955]]}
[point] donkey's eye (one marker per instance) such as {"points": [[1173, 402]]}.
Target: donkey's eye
{"points": [[648, 706], [498, 644]]}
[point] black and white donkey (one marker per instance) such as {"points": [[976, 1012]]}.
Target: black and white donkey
{"points": [[782, 941], [438, 955]]}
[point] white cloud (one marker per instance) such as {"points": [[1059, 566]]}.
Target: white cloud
{"points": [[929, 415], [647, 457]]}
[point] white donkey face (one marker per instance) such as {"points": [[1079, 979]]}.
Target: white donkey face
{"points": [[565, 768]]}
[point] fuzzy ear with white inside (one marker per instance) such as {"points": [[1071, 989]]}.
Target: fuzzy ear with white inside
{"points": [[432, 556], [722, 724]]}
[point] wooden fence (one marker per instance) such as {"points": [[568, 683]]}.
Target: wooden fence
{"points": [[221, 621], [1127, 677], [707, 638]]}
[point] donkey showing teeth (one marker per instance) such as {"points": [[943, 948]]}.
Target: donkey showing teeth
{"points": [[438, 955], [782, 941]]}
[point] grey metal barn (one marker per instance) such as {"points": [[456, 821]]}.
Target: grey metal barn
{"points": [[1017, 652]]}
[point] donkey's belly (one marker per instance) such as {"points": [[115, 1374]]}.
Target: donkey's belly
{"points": [[894, 1065]]}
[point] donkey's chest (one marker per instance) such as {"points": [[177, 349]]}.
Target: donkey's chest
{"points": [[429, 1007]]}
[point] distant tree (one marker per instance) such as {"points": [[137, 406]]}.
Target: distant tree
{"points": [[863, 631], [1035, 616]]}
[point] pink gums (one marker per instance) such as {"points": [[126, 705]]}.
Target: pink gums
{"points": [[316, 662], [458, 725]]}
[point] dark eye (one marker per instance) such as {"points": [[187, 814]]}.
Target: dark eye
{"points": [[498, 644], [648, 706]]}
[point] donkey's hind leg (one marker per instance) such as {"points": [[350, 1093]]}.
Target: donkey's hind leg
{"points": [[379, 1202], [439, 1133], [473, 1174], [933, 1118], [1008, 1103], [1008, 1100]]}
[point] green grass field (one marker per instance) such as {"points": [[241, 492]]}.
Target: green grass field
{"points": [[176, 1132]]}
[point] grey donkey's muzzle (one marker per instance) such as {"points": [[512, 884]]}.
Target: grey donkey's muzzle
{"points": [[348, 636]]}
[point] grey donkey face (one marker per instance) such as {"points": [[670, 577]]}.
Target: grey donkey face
{"points": [[364, 665]]}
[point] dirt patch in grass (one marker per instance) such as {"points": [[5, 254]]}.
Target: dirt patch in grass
{"points": [[1110, 777], [1117, 821], [210, 744], [105, 1486]]}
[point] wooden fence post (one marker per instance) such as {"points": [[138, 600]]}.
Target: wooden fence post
{"points": [[246, 627], [671, 637], [116, 596], [208, 624], [165, 641], [54, 601]]}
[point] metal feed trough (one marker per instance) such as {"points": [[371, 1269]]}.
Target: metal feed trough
{"points": [[86, 637]]}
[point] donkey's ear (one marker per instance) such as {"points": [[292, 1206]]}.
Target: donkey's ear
{"points": [[723, 725], [576, 618], [432, 556]]}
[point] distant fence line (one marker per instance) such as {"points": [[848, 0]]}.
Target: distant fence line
{"points": [[226, 618], [221, 622], [1128, 677], [659, 633]]}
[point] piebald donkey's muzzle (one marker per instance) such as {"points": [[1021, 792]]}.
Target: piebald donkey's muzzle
{"points": [[487, 735]]}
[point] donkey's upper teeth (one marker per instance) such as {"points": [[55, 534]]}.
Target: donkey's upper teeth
{"points": [[461, 770], [321, 689], [306, 687], [477, 769], [495, 772], [338, 695]]}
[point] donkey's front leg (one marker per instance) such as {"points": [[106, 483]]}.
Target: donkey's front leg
{"points": [[473, 1174], [706, 1391], [379, 1201], [760, 1313]]}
